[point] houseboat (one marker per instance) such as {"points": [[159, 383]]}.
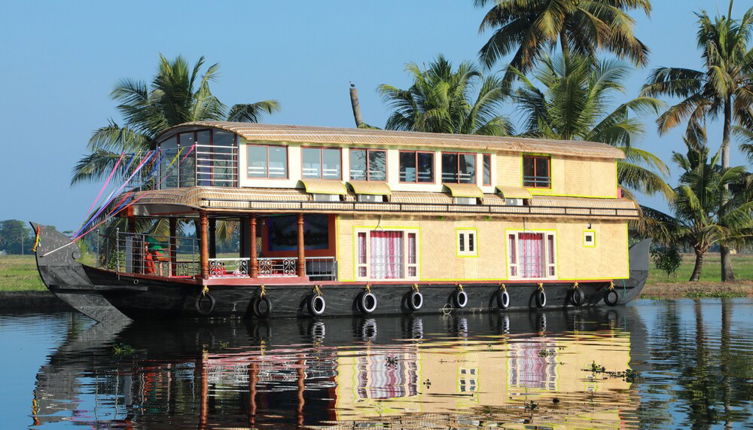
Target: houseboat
{"points": [[336, 222]]}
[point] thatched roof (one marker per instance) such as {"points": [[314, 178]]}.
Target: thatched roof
{"points": [[358, 137]]}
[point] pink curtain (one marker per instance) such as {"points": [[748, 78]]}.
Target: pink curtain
{"points": [[531, 255], [386, 254]]}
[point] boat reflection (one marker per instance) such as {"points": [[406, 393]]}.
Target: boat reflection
{"points": [[512, 369]]}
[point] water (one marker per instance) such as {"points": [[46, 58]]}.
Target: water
{"points": [[653, 364]]}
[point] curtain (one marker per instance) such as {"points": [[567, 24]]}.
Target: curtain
{"points": [[531, 255], [386, 254]]}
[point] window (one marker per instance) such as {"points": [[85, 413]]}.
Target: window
{"points": [[202, 157], [265, 161], [417, 166], [386, 254], [536, 171], [531, 255], [368, 165], [282, 237], [466, 243], [589, 239], [487, 173], [458, 168], [321, 163]]}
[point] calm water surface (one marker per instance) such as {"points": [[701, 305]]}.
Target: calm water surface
{"points": [[653, 364]]}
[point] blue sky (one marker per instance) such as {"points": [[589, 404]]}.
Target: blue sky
{"points": [[60, 60]]}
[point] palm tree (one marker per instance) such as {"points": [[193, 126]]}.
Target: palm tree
{"points": [[724, 87], [706, 211], [178, 94], [444, 101], [532, 27], [574, 104]]}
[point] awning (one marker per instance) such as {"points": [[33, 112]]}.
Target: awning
{"points": [[323, 186], [465, 190], [514, 192], [371, 187]]}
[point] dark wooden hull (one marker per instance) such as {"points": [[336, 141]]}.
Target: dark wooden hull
{"points": [[163, 299]]}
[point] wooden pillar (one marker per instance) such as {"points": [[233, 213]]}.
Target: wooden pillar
{"points": [[212, 238], [173, 243], [252, 245], [301, 249], [204, 244]]}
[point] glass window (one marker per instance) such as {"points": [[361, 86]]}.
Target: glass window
{"points": [[266, 161], [467, 242], [187, 166], [282, 232], [169, 163], [532, 255], [216, 158], [458, 168], [417, 167], [321, 163], [536, 171], [487, 179], [368, 165]]}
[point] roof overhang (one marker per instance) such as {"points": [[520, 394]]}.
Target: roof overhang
{"points": [[514, 192], [324, 186], [370, 187], [465, 190]]}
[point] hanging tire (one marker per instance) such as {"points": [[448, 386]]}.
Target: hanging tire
{"points": [[459, 299], [366, 302], [577, 297], [316, 305], [415, 300], [540, 298], [204, 304], [503, 299], [611, 297], [261, 307]]}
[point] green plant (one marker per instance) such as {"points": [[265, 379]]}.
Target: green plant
{"points": [[666, 258]]}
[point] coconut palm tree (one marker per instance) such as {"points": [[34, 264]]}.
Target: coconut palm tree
{"points": [[706, 211], [574, 104], [178, 93], [723, 87], [530, 28], [445, 101]]}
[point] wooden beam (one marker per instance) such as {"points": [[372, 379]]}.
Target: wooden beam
{"points": [[204, 244], [252, 244], [301, 264]]}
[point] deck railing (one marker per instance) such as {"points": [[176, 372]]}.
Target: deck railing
{"points": [[317, 268], [150, 254]]}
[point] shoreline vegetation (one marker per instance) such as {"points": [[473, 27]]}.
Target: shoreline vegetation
{"points": [[18, 273]]}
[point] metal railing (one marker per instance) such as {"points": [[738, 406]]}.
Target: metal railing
{"points": [[404, 207], [150, 254], [536, 181], [228, 267], [217, 165], [317, 268]]}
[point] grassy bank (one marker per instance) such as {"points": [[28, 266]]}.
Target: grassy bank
{"points": [[19, 273], [743, 264]]}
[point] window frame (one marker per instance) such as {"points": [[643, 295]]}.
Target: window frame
{"points": [[321, 163], [266, 168], [415, 158], [550, 257], [457, 167], [462, 236], [591, 233], [407, 265], [368, 162], [535, 178], [484, 157]]}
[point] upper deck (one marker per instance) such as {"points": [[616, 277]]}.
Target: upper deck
{"points": [[338, 169]]}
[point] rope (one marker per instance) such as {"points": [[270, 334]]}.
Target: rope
{"points": [[368, 288], [503, 287], [541, 286], [262, 291], [460, 287], [107, 182], [317, 290], [205, 290], [415, 288]]}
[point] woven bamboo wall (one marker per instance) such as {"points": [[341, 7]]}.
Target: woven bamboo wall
{"points": [[438, 259]]}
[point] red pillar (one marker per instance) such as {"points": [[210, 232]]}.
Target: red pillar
{"points": [[252, 244], [204, 244], [301, 249]]}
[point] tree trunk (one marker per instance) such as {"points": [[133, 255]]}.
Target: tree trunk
{"points": [[698, 266], [728, 273], [355, 105]]}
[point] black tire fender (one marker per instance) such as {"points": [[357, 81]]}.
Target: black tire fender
{"points": [[366, 302], [503, 299], [204, 304], [316, 305], [262, 307], [611, 297], [459, 299]]}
